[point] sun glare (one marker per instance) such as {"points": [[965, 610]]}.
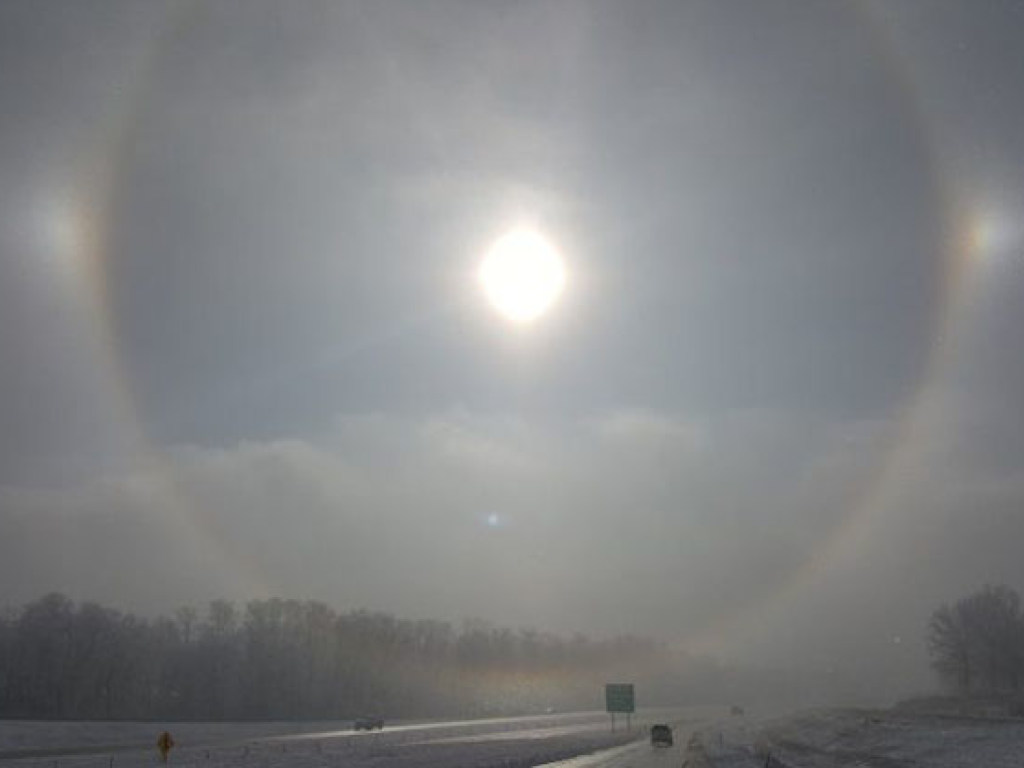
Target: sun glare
{"points": [[522, 275]]}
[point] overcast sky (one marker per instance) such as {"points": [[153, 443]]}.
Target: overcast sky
{"points": [[776, 411]]}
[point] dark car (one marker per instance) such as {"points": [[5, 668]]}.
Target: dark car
{"points": [[661, 736], [369, 724]]}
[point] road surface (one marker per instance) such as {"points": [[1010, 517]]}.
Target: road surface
{"points": [[513, 742]]}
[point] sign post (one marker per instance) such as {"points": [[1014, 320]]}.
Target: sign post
{"points": [[619, 697]]}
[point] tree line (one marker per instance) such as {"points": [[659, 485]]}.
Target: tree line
{"points": [[977, 643], [291, 659]]}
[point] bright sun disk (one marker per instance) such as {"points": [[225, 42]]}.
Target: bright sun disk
{"points": [[522, 275]]}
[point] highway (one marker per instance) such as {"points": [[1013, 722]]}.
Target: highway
{"points": [[508, 741]]}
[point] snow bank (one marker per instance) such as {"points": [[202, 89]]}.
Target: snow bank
{"points": [[825, 739]]}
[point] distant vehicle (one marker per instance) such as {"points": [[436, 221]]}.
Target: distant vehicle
{"points": [[369, 724], [661, 736], [736, 710]]}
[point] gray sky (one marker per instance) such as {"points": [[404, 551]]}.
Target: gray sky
{"points": [[776, 414]]}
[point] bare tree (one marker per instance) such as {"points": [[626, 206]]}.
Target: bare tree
{"points": [[977, 644], [993, 618], [187, 616], [298, 659], [948, 644]]}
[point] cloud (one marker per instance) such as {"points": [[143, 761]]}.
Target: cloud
{"points": [[642, 425], [730, 534], [386, 511]]}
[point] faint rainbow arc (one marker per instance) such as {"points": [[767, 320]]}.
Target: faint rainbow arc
{"points": [[958, 259], [97, 194]]}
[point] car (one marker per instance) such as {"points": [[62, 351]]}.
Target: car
{"points": [[368, 724], [661, 735]]}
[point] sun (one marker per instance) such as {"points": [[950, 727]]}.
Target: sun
{"points": [[522, 275]]}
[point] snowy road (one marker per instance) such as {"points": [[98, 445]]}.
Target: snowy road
{"points": [[640, 754], [501, 743]]}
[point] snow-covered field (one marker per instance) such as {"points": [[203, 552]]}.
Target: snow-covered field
{"points": [[497, 743], [36, 735], [872, 739]]}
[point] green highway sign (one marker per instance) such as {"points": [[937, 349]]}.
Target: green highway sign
{"points": [[618, 697]]}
